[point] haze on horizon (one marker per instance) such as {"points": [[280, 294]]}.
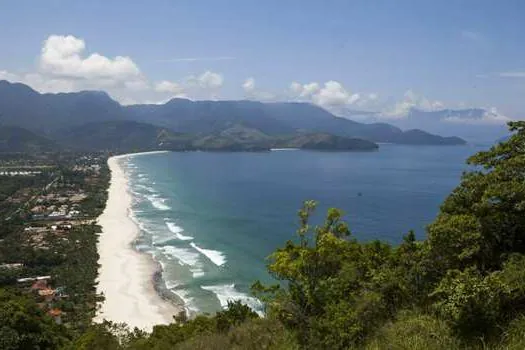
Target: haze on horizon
{"points": [[384, 57]]}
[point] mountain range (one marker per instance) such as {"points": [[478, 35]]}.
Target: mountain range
{"points": [[473, 124], [91, 119]]}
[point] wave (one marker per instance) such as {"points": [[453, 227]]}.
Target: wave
{"points": [[158, 202], [227, 292], [185, 257], [284, 149], [171, 284], [177, 231], [146, 188], [215, 256], [189, 302]]}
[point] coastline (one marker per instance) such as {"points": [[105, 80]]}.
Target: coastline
{"points": [[126, 276]]}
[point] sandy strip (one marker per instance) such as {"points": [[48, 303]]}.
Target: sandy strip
{"points": [[126, 276]]}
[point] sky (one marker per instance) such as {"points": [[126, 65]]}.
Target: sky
{"points": [[382, 56]]}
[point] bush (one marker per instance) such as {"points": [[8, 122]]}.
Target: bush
{"points": [[413, 331]]}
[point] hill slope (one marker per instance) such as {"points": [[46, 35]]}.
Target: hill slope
{"points": [[56, 113], [129, 136], [15, 139]]}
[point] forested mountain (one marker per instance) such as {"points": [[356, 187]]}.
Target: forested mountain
{"points": [[56, 114], [270, 118], [15, 139], [130, 136], [460, 288], [50, 113]]}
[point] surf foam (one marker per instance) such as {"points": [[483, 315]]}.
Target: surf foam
{"points": [[158, 202], [185, 257], [227, 292], [215, 256], [189, 302], [177, 231]]}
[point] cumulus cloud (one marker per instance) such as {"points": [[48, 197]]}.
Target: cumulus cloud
{"points": [[64, 65], [63, 56], [207, 80], [249, 85], [5, 75], [411, 100], [334, 94], [304, 90], [490, 117], [252, 92], [169, 86]]}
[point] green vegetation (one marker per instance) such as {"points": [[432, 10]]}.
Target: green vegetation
{"points": [[461, 288], [65, 258], [16, 139], [67, 116], [128, 136]]}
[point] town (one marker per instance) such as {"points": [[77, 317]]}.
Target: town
{"points": [[48, 232]]}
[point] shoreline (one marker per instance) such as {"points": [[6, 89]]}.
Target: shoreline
{"points": [[127, 277]]}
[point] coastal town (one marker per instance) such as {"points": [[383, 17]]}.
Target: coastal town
{"points": [[49, 205]]}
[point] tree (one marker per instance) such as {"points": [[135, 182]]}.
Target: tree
{"points": [[24, 326]]}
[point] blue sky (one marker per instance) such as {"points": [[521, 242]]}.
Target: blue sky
{"points": [[445, 53]]}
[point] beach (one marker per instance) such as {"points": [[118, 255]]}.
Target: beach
{"points": [[125, 275]]}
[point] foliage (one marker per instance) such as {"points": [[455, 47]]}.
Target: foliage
{"points": [[461, 288], [24, 326], [414, 331]]}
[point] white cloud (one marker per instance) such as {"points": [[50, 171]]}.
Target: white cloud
{"points": [[411, 100], [208, 80], [491, 116], [64, 65], [304, 91], [253, 93], [334, 94], [249, 85], [168, 86], [5, 75], [63, 56]]}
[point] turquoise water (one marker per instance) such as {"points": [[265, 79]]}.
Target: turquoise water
{"points": [[210, 219]]}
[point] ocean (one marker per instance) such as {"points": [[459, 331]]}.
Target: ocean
{"points": [[211, 219]]}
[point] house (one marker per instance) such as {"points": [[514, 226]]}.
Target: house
{"points": [[12, 266], [56, 314], [31, 279], [38, 209], [39, 285], [48, 294]]}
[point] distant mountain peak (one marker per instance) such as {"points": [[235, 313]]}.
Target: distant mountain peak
{"points": [[54, 113]]}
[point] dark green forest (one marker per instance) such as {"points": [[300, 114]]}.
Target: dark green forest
{"points": [[463, 287]]}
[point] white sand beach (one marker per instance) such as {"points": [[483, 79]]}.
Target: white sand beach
{"points": [[126, 276]]}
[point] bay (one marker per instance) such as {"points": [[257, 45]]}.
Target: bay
{"points": [[211, 219]]}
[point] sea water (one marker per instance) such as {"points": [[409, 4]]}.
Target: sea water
{"points": [[211, 219]]}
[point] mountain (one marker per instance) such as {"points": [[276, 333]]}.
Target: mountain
{"points": [[270, 118], [48, 113], [326, 142], [55, 114], [419, 137], [130, 136], [123, 136], [15, 139], [473, 124]]}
